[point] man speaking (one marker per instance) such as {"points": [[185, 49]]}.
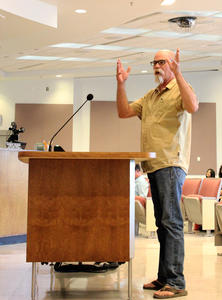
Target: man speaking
{"points": [[165, 113]]}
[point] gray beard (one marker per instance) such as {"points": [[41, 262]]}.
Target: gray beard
{"points": [[159, 79]]}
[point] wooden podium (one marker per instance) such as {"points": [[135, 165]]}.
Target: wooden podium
{"points": [[81, 206]]}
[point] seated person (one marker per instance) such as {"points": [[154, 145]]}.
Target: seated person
{"points": [[141, 186], [141, 192], [210, 173]]}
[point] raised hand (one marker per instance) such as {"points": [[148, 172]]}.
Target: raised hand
{"points": [[175, 63], [121, 74]]}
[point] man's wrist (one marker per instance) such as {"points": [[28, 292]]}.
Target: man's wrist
{"points": [[121, 84], [178, 74]]}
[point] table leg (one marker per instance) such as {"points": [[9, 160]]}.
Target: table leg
{"points": [[130, 279], [33, 280]]}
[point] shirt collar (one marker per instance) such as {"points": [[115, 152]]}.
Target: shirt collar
{"points": [[169, 86]]}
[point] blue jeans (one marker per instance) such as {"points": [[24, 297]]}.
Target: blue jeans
{"points": [[166, 188]]}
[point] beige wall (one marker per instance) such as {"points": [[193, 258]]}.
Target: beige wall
{"points": [[41, 121], [204, 139], [110, 133]]}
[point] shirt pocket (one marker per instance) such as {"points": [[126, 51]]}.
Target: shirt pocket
{"points": [[166, 111]]}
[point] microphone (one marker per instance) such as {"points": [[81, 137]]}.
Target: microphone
{"points": [[88, 98]]}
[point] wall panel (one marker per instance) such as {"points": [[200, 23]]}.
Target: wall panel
{"points": [[41, 121], [110, 133]]}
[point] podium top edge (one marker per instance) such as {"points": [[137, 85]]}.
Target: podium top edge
{"points": [[25, 156]]}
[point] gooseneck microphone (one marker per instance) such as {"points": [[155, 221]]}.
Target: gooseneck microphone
{"points": [[88, 98]]}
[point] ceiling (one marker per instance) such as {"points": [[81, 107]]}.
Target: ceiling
{"points": [[143, 29]]}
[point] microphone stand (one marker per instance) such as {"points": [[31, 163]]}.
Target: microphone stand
{"points": [[50, 143]]}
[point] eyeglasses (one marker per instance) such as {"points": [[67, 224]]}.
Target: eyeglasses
{"points": [[160, 62]]}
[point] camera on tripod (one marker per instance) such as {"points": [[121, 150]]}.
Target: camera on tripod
{"points": [[15, 132], [12, 141]]}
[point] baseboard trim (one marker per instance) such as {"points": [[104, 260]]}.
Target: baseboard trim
{"points": [[14, 239]]}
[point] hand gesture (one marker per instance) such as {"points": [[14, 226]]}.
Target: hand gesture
{"points": [[121, 74], [175, 63]]}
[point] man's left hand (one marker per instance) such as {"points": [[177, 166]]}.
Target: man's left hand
{"points": [[175, 63]]}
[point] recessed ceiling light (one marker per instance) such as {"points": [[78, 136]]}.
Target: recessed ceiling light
{"points": [[143, 50], [127, 31], [188, 52], [202, 13], [81, 11], [69, 45], [167, 34], [206, 37], [214, 54], [144, 71], [33, 57], [114, 61], [58, 76], [78, 59], [108, 47], [219, 15], [167, 2]]}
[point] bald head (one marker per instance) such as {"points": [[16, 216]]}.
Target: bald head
{"points": [[162, 54]]}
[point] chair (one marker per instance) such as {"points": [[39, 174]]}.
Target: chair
{"points": [[145, 216], [199, 208], [191, 186]]}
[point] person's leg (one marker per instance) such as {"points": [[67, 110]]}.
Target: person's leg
{"points": [[166, 187], [161, 275], [158, 216]]}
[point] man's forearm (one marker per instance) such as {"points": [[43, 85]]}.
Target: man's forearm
{"points": [[190, 102], [124, 110]]}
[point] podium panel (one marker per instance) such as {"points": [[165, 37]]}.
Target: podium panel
{"points": [[13, 195], [78, 210]]}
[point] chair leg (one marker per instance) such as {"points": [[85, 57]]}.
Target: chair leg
{"points": [[208, 233], [190, 225], [219, 250], [152, 234], [136, 228]]}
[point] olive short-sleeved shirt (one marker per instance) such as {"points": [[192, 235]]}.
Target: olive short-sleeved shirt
{"points": [[165, 128]]}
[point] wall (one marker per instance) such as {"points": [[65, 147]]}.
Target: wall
{"points": [[109, 133], [42, 121], [208, 86], [203, 144], [32, 91]]}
